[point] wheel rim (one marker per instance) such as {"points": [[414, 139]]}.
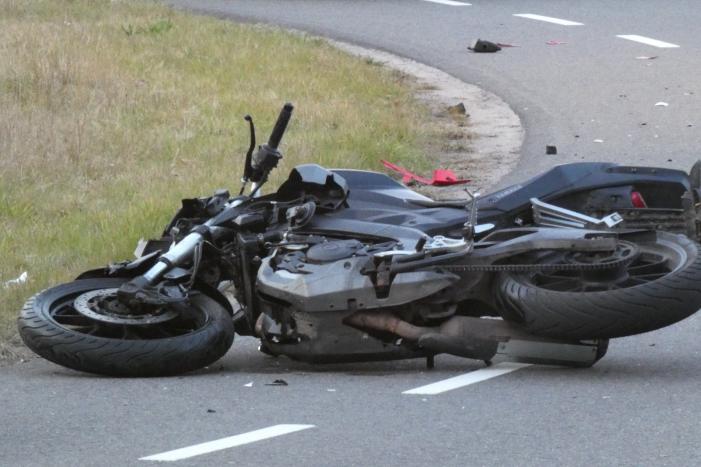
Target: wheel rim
{"points": [[65, 314], [650, 263]]}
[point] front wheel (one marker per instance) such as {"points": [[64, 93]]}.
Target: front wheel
{"points": [[660, 285], [79, 325]]}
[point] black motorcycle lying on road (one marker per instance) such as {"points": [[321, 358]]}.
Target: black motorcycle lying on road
{"points": [[346, 265]]}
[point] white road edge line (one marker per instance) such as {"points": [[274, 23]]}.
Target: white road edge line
{"points": [[225, 443], [449, 2], [468, 378], [549, 19], [648, 41]]}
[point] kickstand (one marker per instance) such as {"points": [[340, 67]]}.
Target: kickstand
{"points": [[430, 362]]}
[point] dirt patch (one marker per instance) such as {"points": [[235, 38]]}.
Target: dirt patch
{"points": [[13, 350], [482, 145]]}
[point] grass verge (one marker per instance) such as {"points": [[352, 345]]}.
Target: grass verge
{"points": [[111, 111]]}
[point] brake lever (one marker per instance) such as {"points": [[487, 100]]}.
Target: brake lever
{"points": [[248, 168]]}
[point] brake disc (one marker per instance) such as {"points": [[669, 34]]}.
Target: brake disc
{"points": [[103, 305]]}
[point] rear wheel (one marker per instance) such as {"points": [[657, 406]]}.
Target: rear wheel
{"points": [[659, 285], [82, 326]]}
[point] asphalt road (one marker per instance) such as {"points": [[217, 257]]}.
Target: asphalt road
{"points": [[639, 406]]}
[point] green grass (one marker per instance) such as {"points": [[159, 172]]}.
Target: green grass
{"points": [[112, 111]]}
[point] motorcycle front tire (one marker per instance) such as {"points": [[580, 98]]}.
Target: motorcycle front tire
{"points": [[44, 331]]}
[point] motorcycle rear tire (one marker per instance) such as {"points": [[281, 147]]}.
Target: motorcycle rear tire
{"points": [[583, 315], [134, 357]]}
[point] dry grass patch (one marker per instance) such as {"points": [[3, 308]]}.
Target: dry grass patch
{"points": [[111, 111]]}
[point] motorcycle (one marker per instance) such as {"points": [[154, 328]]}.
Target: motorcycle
{"points": [[348, 265]]}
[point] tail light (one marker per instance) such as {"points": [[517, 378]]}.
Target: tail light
{"points": [[637, 199]]}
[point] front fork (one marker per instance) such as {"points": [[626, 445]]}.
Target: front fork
{"points": [[176, 256]]}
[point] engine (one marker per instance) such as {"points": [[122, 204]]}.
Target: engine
{"points": [[307, 285]]}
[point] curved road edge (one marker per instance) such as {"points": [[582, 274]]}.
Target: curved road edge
{"points": [[496, 130]]}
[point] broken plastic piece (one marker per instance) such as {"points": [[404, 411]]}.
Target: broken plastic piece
{"points": [[661, 104], [277, 382], [17, 281], [550, 149], [480, 46], [645, 57], [441, 177], [554, 42], [248, 385]]}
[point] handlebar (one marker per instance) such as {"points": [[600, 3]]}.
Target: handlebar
{"points": [[280, 126], [268, 156]]}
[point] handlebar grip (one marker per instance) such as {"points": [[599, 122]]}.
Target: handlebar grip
{"points": [[280, 126]]}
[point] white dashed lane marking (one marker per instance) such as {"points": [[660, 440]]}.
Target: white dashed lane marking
{"points": [[467, 379], [549, 19], [225, 443], [648, 41], [449, 2]]}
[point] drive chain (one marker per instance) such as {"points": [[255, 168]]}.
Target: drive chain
{"points": [[533, 267]]}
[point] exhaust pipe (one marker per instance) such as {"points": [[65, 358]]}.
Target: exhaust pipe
{"points": [[483, 339]]}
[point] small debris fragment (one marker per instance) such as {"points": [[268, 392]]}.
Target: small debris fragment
{"points": [[598, 140], [457, 109], [550, 149], [661, 104], [652, 345], [480, 46], [248, 385], [645, 57], [211, 411], [277, 382], [330, 390], [554, 42], [17, 281]]}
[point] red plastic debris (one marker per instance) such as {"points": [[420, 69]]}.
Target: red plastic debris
{"points": [[441, 177]]}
